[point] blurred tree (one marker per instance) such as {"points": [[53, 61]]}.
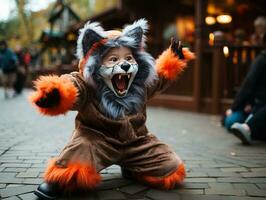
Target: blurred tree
{"points": [[24, 20], [81, 7]]}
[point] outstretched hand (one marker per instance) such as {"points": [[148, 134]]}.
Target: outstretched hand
{"points": [[51, 99], [176, 47]]}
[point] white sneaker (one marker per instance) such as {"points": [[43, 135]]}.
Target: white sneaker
{"points": [[241, 133]]}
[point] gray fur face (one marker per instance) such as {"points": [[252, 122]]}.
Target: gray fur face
{"points": [[133, 102], [111, 104], [119, 77]]}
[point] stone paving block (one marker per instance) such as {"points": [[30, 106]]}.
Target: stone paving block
{"points": [[4, 160], [7, 174], [2, 185], [260, 169], [195, 185], [189, 191], [12, 191], [217, 197], [12, 198], [196, 174], [232, 180], [33, 161], [200, 180], [244, 186], [204, 170], [39, 165], [113, 184], [234, 169], [237, 192], [160, 195], [223, 174], [256, 192], [224, 186], [34, 181], [23, 165], [28, 174], [28, 196], [12, 169], [133, 188], [88, 196], [253, 174], [14, 185], [110, 195], [256, 180], [261, 185], [11, 180]]}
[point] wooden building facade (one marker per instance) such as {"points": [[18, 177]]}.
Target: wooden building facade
{"points": [[223, 52]]}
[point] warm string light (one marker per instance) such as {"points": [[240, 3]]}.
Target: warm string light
{"points": [[211, 39], [226, 51], [224, 19], [210, 20]]}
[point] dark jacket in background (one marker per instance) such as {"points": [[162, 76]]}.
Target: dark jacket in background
{"points": [[253, 89], [8, 61]]}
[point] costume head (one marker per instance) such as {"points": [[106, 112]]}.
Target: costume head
{"points": [[116, 65]]}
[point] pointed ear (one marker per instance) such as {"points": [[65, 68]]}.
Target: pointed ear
{"points": [[137, 31], [88, 35]]}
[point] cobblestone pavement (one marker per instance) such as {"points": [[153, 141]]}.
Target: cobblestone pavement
{"points": [[218, 166]]}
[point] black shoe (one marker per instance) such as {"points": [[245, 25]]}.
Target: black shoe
{"points": [[126, 174], [47, 191]]}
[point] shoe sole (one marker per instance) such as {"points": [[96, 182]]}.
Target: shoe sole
{"points": [[240, 136], [41, 195]]}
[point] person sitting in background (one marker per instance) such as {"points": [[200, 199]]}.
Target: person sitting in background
{"points": [[260, 30], [247, 117], [8, 66]]}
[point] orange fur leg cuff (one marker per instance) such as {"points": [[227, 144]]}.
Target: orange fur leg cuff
{"points": [[168, 182], [74, 176], [67, 91]]}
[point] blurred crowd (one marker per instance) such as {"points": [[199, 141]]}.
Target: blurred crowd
{"points": [[14, 67]]}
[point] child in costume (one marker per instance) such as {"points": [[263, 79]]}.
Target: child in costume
{"points": [[115, 80]]}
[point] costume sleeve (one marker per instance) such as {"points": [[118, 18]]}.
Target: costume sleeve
{"points": [[168, 66], [246, 94], [82, 87]]}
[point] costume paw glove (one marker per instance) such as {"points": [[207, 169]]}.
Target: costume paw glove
{"points": [[51, 99], [177, 48]]}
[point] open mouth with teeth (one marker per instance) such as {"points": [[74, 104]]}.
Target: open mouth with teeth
{"points": [[120, 83]]}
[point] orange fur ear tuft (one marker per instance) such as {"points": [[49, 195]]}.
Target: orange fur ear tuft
{"points": [[169, 65], [75, 176], [67, 90], [168, 182]]}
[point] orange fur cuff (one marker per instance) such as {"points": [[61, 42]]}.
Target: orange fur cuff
{"points": [[67, 90], [168, 182], [74, 176], [170, 66]]}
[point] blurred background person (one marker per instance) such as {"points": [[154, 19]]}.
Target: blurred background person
{"points": [[8, 67], [247, 116], [24, 59], [260, 30]]}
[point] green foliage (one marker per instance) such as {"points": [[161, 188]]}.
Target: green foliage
{"points": [[9, 28]]}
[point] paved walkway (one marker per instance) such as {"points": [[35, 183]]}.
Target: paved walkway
{"points": [[218, 166]]}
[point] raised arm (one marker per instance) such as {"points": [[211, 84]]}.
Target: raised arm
{"points": [[56, 95], [169, 65]]}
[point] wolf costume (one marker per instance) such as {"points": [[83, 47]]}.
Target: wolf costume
{"points": [[111, 103]]}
